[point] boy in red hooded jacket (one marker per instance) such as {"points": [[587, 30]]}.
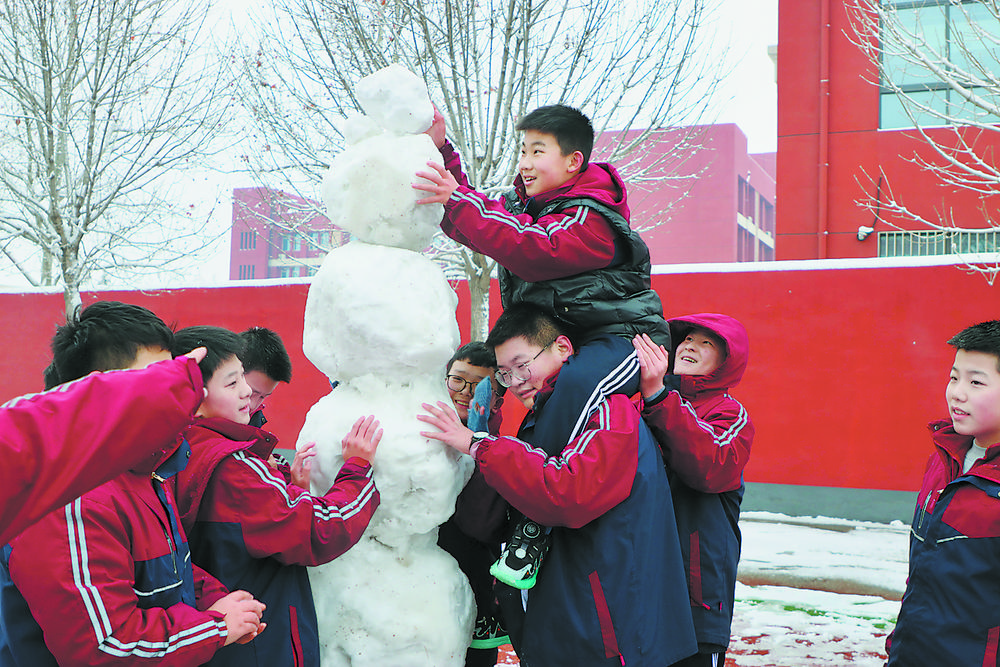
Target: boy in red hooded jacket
{"points": [[705, 435]]}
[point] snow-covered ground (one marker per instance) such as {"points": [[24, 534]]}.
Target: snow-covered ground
{"points": [[814, 591]]}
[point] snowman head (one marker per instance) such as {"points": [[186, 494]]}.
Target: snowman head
{"points": [[368, 187]]}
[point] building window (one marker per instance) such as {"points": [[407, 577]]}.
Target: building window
{"points": [[943, 242], [962, 32], [746, 198], [248, 240], [247, 271]]}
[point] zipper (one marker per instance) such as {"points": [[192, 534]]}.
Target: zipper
{"points": [[166, 532], [923, 510]]}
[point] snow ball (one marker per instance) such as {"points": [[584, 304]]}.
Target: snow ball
{"points": [[378, 310], [368, 191], [396, 99]]}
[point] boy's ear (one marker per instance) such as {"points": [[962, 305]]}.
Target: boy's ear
{"points": [[575, 162], [563, 347]]}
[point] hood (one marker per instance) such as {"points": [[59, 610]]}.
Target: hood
{"points": [[730, 372], [598, 181]]}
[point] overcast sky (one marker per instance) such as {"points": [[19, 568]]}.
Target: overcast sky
{"points": [[749, 97]]}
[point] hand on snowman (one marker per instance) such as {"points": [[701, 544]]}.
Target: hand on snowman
{"points": [[437, 130], [450, 429], [442, 184], [301, 467], [363, 439]]}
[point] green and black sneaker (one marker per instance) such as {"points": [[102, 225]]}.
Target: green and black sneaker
{"points": [[518, 564]]}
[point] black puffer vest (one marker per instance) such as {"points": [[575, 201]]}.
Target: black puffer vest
{"points": [[617, 299]]}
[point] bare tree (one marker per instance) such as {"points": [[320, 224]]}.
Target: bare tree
{"points": [[939, 62], [100, 99], [632, 67]]}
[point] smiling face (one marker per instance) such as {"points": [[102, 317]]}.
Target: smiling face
{"points": [[973, 396], [700, 353], [521, 358], [228, 394], [542, 166], [471, 375]]}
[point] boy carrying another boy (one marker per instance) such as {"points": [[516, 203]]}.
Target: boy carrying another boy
{"points": [[247, 523], [612, 591], [949, 614], [107, 579], [563, 242], [705, 435]]}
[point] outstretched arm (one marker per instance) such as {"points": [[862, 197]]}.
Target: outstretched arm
{"points": [[124, 417]]}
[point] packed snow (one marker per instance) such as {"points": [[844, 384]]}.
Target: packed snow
{"points": [[824, 592]]}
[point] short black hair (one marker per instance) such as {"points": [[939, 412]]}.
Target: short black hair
{"points": [[982, 337], [475, 353], [264, 351], [570, 127], [103, 336], [222, 344], [50, 376], [525, 319]]}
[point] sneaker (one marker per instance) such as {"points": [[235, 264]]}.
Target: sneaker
{"points": [[489, 633], [521, 558]]}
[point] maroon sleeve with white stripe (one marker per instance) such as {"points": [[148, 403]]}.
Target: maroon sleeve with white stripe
{"points": [[592, 474], [557, 245], [281, 520], [64, 442], [709, 451], [75, 569]]}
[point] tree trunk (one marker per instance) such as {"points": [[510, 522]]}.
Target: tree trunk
{"points": [[479, 297]]}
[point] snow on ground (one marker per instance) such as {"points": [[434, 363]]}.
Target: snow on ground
{"points": [[813, 591]]}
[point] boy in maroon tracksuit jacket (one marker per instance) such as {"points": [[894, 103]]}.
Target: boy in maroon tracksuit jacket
{"points": [[705, 435], [251, 528], [564, 244], [107, 579]]}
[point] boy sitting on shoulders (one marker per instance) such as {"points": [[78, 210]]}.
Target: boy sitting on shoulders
{"points": [[563, 242]]}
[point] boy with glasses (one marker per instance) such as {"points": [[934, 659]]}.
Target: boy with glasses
{"points": [[613, 586], [472, 535]]}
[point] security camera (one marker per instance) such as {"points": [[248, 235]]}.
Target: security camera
{"points": [[864, 231]]}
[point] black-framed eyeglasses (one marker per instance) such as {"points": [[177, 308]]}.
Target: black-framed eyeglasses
{"points": [[521, 372], [457, 383]]}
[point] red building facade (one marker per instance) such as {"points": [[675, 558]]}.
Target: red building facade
{"points": [[840, 143], [714, 203], [278, 235]]}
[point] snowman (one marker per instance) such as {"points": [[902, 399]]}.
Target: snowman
{"points": [[380, 320]]}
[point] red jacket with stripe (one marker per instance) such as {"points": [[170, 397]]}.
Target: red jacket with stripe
{"points": [[256, 532], [572, 241], [107, 580], [66, 441], [705, 435]]}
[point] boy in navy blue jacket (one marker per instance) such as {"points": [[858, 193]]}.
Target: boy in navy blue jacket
{"points": [[612, 589], [950, 614], [705, 435]]}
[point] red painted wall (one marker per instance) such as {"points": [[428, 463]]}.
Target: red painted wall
{"points": [[847, 365], [858, 152]]}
